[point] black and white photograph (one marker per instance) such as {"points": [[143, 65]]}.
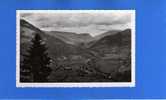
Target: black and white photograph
{"points": [[75, 48]]}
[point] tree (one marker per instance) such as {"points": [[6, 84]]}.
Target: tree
{"points": [[35, 64]]}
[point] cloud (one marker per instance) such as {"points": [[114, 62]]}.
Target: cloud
{"points": [[93, 23]]}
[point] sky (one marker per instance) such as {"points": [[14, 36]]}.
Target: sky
{"points": [[94, 23]]}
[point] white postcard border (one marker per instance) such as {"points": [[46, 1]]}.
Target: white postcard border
{"points": [[83, 84]]}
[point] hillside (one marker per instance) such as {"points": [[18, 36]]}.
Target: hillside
{"points": [[113, 49], [56, 47], [111, 32]]}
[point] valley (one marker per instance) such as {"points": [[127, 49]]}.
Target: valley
{"points": [[81, 57]]}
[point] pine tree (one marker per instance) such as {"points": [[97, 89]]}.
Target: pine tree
{"points": [[36, 62]]}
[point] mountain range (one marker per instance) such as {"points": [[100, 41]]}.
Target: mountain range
{"points": [[113, 44]]}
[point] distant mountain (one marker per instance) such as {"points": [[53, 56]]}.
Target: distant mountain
{"points": [[71, 38]]}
